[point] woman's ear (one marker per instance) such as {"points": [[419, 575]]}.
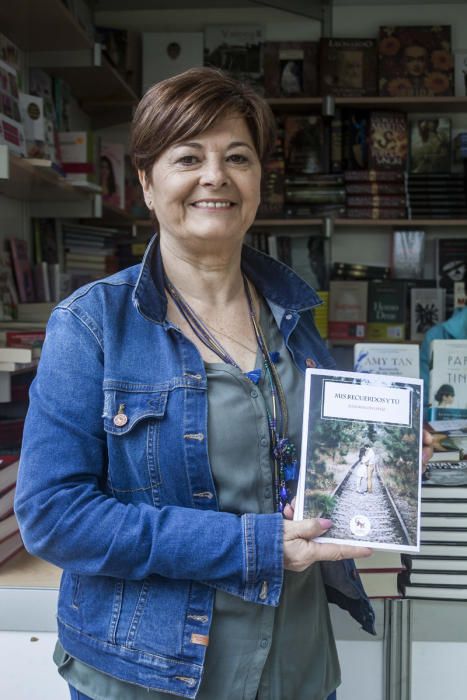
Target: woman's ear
{"points": [[146, 188]]}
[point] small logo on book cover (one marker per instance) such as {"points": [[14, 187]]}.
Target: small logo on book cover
{"points": [[360, 525]]}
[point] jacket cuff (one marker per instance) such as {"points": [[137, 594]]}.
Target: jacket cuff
{"points": [[264, 558]]}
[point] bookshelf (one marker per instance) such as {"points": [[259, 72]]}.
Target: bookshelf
{"points": [[405, 104], [37, 26]]}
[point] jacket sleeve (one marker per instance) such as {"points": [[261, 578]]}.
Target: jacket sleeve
{"points": [[66, 517]]}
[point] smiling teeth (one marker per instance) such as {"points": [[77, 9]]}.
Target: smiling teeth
{"points": [[213, 205]]}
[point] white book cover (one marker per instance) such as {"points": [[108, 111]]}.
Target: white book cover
{"points": [[460, 73], [448, 380], [402, 360], [236, 49], [427, 308], [361, 458], [166, 54]]}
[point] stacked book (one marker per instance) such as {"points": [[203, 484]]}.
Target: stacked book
{"points": [[436, 196], [379, 574], [90, 253], [314, 195], [10, 538], [375, 194], [439, 571]]}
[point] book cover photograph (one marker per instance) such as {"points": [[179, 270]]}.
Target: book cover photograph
{"points": [[348, 67], [448, 380], [361, 458], [430, 145], [238, 50], [415, 61], [290, 68]]}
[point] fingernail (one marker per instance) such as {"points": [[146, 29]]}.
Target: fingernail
{"points": [[325, 523]]}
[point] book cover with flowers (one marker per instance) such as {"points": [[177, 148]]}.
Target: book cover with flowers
{"points": [[361, 458], [415, 61]]}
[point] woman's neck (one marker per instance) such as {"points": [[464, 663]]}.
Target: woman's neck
{"points": [[204, 277]]}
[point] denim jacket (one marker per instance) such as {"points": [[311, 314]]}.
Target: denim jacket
{"points": [[115, 485]]}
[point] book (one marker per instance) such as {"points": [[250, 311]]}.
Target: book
{"points": [[381, 584], [387, 310], [11, 127], [375, 176], [7, 499], [377, 201], [434, 592], [376, 213], [447, 396], [236, 49], [10, 546], [446, 578], [424, 563], [166, 54], [355, 135], [427, 308], [386, 358], [451, 265], [79, 152], [112, 173], [36, 312], [22, 269], [444, 506], [8, 292], [408, 254], [430, 145], [415, 61], [40, 273], [388, 141], [290, 68], [444, 520], [8, 471], [348, 302], [460, 73], [272, 181], [381, 560], [8, 526], [348, 67], [358, 272], [303, 144], [361, 458], [134, 198], [450, 550], [15, 354], [33, 339], [16, 366]]}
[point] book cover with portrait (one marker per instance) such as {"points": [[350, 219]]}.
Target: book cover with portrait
{"points": [[348, 67], [415, 61], [361, 458], [447, 397], [430, 145]]}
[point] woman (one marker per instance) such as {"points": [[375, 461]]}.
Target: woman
{"points": [[147, 472]]}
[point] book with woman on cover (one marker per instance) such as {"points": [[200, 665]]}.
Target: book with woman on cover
{"points": [[361, 458]]}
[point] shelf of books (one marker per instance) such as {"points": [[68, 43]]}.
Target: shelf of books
{"points": [[64, 42], [39, 180]]}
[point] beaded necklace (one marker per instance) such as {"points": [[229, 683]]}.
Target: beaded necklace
{"points": [[283, 450]]}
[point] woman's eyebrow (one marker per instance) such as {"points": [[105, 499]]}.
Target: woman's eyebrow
{"points": [[199, 146]]}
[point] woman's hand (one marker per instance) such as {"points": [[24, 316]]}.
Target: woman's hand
{"points": [[300, 550]]}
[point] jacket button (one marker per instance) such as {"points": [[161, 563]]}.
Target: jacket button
{"points": [[309, 362], [120, 420]]}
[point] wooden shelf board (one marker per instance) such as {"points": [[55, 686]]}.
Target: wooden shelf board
{"points": [[25, 571], [98, 88], [27, 181], [36, 25], [348, 223], [406, 104], [287, 222]]}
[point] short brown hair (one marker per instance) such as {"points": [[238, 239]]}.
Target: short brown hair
{"points": [[189, 103]]}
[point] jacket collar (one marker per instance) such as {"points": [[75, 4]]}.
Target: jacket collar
{"points": [[274, 280]]}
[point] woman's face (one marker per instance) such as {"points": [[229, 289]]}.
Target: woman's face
{"points": [[207, 187]]}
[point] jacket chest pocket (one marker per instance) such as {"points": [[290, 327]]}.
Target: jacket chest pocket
{"points": [[132, 418]]}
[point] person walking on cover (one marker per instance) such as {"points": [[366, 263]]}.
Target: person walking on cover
{"points": [[361, 471], [369, 460]]}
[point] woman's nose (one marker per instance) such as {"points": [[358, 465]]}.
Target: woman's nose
{"points": [[214, 173]]}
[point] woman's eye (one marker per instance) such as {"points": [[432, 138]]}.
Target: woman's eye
{"points": [[238, 158], [188, 160]]}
